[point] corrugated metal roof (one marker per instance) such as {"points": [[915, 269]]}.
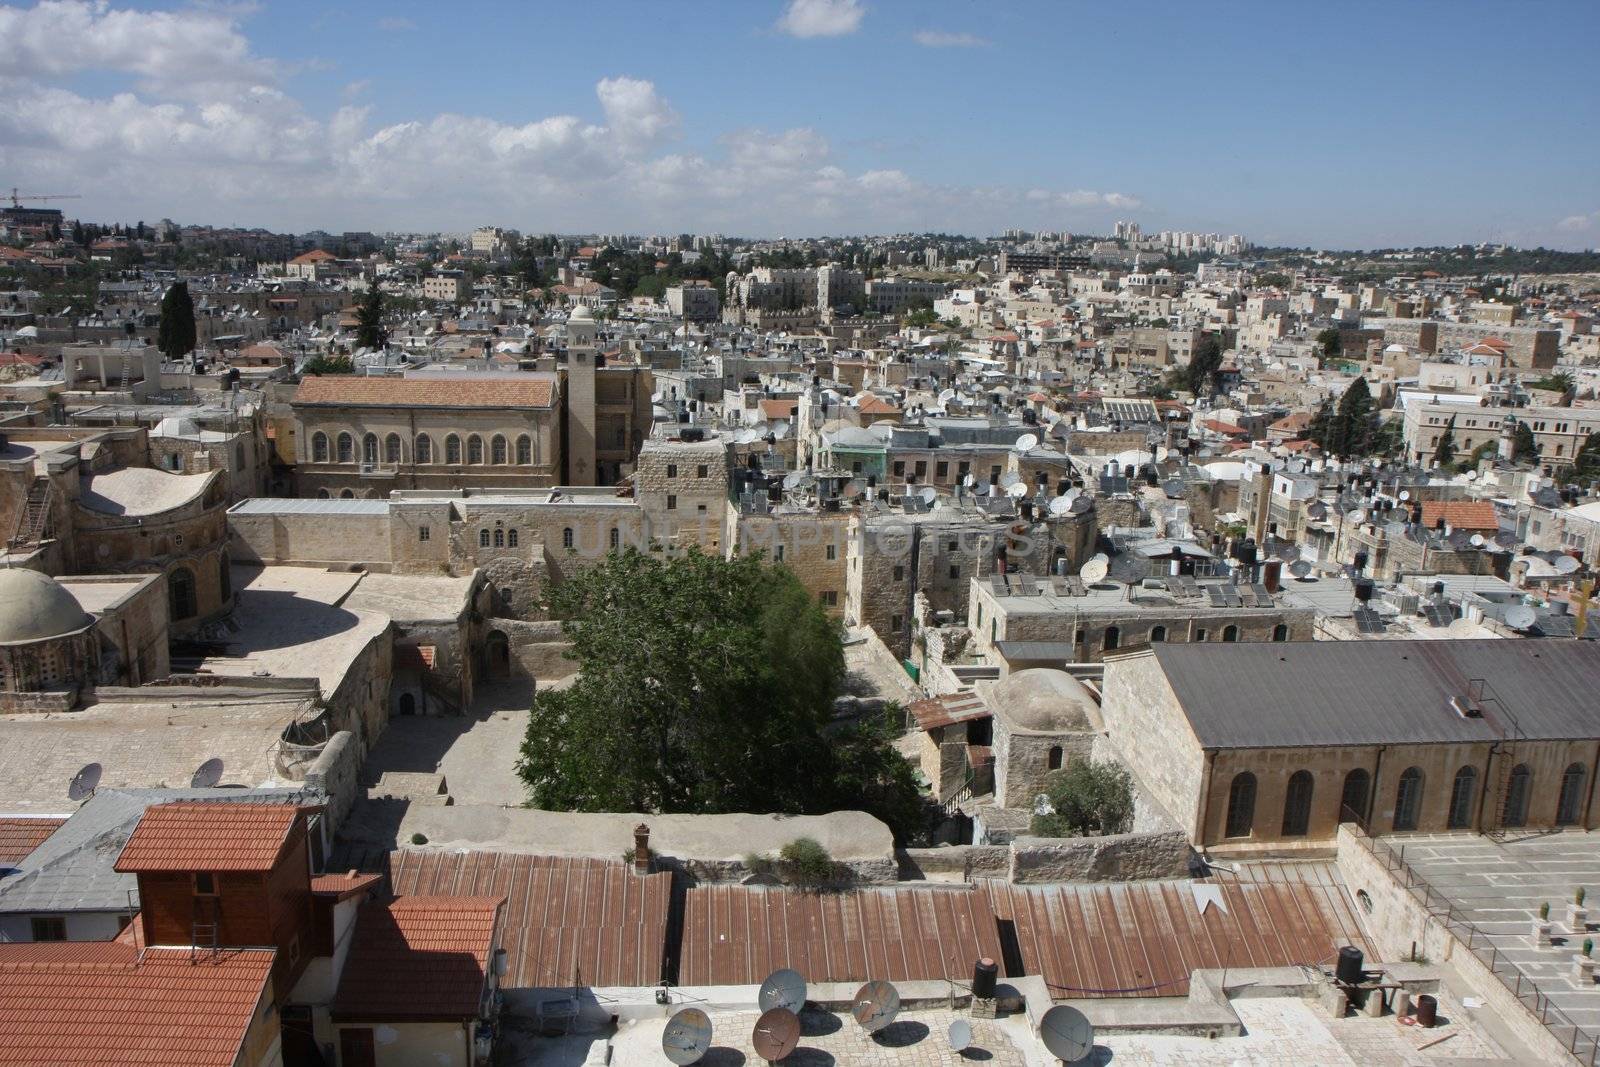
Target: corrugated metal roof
{"points": [[737, 935], [1311, 693], [568, 920], [948, 709], [262, 505]]}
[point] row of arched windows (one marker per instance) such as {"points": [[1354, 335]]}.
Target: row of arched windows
{"points": [[1298, 794], [390, 449], [1112, 637], [499, 538]]}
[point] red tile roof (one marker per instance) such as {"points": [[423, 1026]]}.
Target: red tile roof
{"points": [[93, 1003], [418, 958], [351, 391], [18, 837], [1460, 514], [1227, 429], [344, 885], [779, 409], [872, 404], [197, 836]]}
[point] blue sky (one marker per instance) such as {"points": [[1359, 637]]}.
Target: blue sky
{"points": [[1344, 125]]}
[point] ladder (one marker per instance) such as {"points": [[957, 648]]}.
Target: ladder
{"points": [[203, 930], [33, 521], [127, 365], [1502, 793]]}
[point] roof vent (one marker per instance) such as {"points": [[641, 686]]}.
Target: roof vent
{"points": [[1467, 708]]}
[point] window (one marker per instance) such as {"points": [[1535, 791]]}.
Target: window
{"points": [[225, 576], [899, 468], [483, 538], [566, 537], [474, 449], [511, 539], [1353, 800], [1297, 804], [499, 539], [1200, 634], [180, 593], [1280, 632], [497, 450], [922, 468], [1113, 634], [702, 471], [1569, 805], [829, 598], [1230, 633], [1461, 790], [1517, 795], [1158, 634], [900, 575], [369, 449], [49, 928], [423, 533], [524, 450], [777, 554], [1408, 799], [452, 449], [347, 448], [1241, 805], [832, 552], [616, 538], [391, 448], [424, 448], [205, 884], [319, 447], [897, 623], [941, 470], [1053, 760], [955, 571], [347, 494], [672, 502], [672, 470]]}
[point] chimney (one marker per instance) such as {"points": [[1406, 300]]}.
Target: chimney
{"points": [[641, 849]]}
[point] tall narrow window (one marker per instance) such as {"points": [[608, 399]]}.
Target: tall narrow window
{"points": [[180, 593], [616, 538], [1408, 799], [1569, 806], [1461, 796], [369, 449], [524, 450], [1353, 799], [424, 448], [1158, 634], [224, 576], [497, 450], [474, 449], [452, 450], [511, 539], [1280, 632], [1297, 804], [391, 448], [1230, 633], [483, 538], [1112, 636], [1053, 759], [1241, 805], [347, 448], [1517, 795], [566, 537], [319, 447], [499, 539]]}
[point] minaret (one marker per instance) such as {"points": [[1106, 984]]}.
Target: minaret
{"points": [[580, 415]]}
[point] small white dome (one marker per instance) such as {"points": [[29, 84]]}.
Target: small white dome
{"points": [[1042, 699], [581, 314], [34, 607], [176, 427]]}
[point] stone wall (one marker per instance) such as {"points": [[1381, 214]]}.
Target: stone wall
{"points": [[336, 772], [1149, 731], [1115, 858], [311, 540]]}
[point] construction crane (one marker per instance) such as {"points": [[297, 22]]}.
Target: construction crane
{"points": [[17, 199]]}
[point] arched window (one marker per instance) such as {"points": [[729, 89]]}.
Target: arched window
{"points": [[224, 577], [347, 448], [1241, 805], [322, 494], [497, 450], [566, 537], [423, 450], [1297, 804], [180, 593], [1280, 632], [1053, 760], [499, 538], [391, 448], [1112, 636], [1353, 798], [483, 538], [616, 538], [1517, 795], [1461, 795], [319, 447], [452, 449], [369, 449], [1408, 799], [1569, 806], [511, 538], [1230, 633], [347, 494], [474, 449], [524, 450], [1158, 634]]}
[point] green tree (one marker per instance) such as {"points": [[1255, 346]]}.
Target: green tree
{"points": [[176, 335], [1086, 798], [1321, 429], [1444, 453], [1524, 445], [704, 685], [369, 319], [1559, 382], [1355, 427], [1586, 464], [1328, 341], [328, 365], [1200, 376]]}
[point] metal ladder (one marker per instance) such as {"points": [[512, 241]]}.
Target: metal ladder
{"points": [[33, 521], [204, 936]]}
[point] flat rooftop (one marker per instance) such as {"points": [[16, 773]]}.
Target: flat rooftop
{"points": [[96, 593], [409, 598]]}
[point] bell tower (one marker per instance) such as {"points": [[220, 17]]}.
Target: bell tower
{"points": [[579, 407]]}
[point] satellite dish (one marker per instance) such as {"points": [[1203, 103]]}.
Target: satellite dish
{"points": [[207, 775], [1300, 568], [1521, 617], [776, 1034], [1405, 494], [1286, 551], [1027, 442], [928, 494], [1476, 541], [946, 395], [1020, 489], [792, 479], [1009, 478], [1471, 476], [84, 782], [1567, 565], [1060, 506], [1173, 487], [960, 1035], [1358, 516], [687, 1036], [1081, 504], [1066, 1033], [875, 1006], [984, 487], [1095, 570], [783, 989], [1317, 512], [851, 490]]}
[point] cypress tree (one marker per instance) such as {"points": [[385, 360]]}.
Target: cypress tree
{"points": [[176, 335]]}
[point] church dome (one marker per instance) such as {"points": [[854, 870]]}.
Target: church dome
{"points": [[34, 607], [1043, 699], [581, 313]]}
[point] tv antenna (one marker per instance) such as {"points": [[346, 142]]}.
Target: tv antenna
{"points": [[875, 1006], [687, 1037], [1066, 1033], [207, 775], [83, 783]]}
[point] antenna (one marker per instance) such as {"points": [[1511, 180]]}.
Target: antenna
{"points": [[207, 775], [783, 989], [875, 1006], [960, 1035], [687, 1036], [83, 783], [776, 1034], [1066, 1033]]}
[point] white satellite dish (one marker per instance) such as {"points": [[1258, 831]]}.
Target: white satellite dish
{"points": [[1567, 565], [984, 487], [1061, 505], [1095, 570], [929, 494], [1009, 478], [946, 395], [1471, 476], [1066, 1033], [1017, 490], [1521, 617], [792, 479], [1027, 442], [960, 1035], [1358, 516], [1476, 540], [1405, 494], [1300, 568]]}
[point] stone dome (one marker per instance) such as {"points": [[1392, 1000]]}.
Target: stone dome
{"points": [[581, 313], [34, 607], [1044, 700]]}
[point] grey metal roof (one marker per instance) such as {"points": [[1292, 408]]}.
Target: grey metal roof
{"points": [[266, 505], [1319, 693]]}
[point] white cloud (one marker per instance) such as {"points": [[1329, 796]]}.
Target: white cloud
{"points": [[1578, 223], [944, 39], [822, 18], [394, 24], [635, 111]]}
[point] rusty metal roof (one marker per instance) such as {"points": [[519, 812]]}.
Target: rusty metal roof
{"points": [[947, 710], [1144, 938], [737, 935], [568, 920]]}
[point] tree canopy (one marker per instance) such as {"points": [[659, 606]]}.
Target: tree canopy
{"points": [[705, 685], [1200, 376], [1445, 453], [1086, 798], [369, 319], [1523, 444], [1350, 429], [176, 335]]}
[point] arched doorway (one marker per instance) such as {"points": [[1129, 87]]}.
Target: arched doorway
{"points": [[408, 704], [497, 655]]}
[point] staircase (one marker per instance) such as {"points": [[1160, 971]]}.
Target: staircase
{"points": [[1502, 792], [33, 522]]}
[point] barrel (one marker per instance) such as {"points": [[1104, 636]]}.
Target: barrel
{"points": [[1348, 970], [1427, 1010], [984, 975]]}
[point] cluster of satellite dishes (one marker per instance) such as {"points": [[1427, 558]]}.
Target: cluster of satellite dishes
{"points": [[1065, 1032], [83, 784]]}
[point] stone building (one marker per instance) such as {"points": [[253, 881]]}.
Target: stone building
{"points": [[1269, 748], [683, 489], [1043, 719]]}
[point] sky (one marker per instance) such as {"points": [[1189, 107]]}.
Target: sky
{"points": [[1348, 125]]}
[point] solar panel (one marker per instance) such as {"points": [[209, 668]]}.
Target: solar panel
{"points": [[1263, 595], [1368, 621], [1217, 599], [997, 583], [1190, 586], [1026, 586], [1076, 587], [1174, 586], [1230, 596], [1438, 614]]}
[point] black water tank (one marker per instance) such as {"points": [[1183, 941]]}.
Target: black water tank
{"points": [[1348, 969], [984, 975], [1245, 552], [1363, 587], [1427, 1011]]}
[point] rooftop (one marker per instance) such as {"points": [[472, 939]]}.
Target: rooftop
{"points": [[141, 491], [418, 957], [525, 391], [199, 836]]}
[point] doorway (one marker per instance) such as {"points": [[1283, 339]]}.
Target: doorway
{"points": [[497, 653], [408, 704], [356, 1048]]}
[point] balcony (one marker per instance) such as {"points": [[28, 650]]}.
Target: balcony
{"points": [[379, 470]]}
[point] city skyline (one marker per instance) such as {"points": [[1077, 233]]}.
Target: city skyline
{"points": [[805, 118]]}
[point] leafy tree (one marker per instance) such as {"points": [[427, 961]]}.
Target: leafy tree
{"points": [[1087, 798], [1200, 376], [1586, 464], [1322, 423], [705, 685], [176, 335], [1445, 453], [1389, 439], [1328, 341], [1273, 279], [1559, 382], [1523, 444], [923, 316], [328, 365], [369, 319], [806, 862]]}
